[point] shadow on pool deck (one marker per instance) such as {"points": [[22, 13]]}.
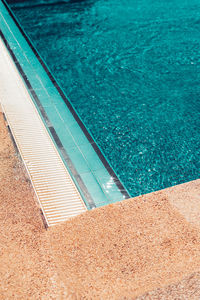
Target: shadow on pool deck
{"points": [[120, 251]]}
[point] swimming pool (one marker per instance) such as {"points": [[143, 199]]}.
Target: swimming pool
{"points": [[132, 71]]}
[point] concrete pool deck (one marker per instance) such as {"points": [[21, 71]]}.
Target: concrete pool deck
{"points": [[142, 248]]}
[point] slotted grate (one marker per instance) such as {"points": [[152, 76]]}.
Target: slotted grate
{"points": [[57, 194]]}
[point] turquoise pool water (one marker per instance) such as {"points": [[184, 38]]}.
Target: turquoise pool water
{"points": [[132, 71]]}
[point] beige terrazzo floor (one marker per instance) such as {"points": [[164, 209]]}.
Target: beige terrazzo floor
{"points": [[147, 247]]}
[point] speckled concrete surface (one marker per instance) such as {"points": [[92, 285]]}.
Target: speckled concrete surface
{"points": [[146, 248], [126, 249], [188, 288]]}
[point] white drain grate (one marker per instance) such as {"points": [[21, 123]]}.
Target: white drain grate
{"points": [[56, 191]]}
